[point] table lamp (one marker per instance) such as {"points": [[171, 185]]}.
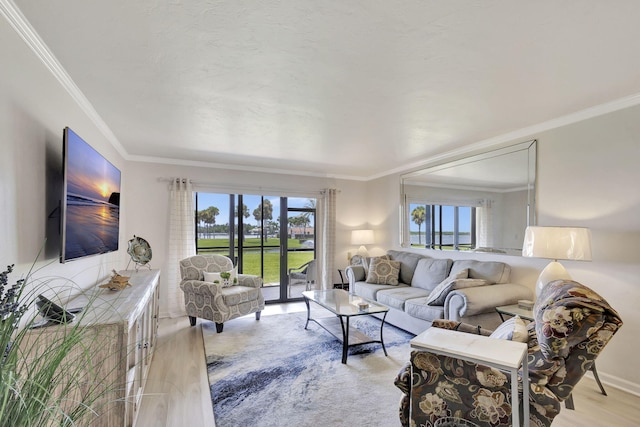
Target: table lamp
{"points": [[556, 243], [362, 237]]}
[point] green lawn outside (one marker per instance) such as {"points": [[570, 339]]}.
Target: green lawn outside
{"points": [[251, 257], [251, 241], [251, 263]]}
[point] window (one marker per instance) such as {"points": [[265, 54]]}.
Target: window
{"points": [[442, 226], [263, 235], [246, 228]]}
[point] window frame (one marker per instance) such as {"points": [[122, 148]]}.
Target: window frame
{"points": [[434, 220]]}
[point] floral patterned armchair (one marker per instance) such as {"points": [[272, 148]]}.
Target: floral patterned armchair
{"points": [[572, 325], [213, 300]]}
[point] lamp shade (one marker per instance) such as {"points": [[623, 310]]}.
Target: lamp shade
{"points": [[362, 237], [567, 243], [570, 243]]}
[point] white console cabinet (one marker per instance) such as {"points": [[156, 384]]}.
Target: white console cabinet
{"points": [[123, 326]]}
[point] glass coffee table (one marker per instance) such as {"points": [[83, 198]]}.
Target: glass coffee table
{"points": [[345, 306]]}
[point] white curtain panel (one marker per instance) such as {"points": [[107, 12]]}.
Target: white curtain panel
{"points": [[484, 224], [328, 237], [181, 243]]}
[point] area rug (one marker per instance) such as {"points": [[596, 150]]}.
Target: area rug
{"points": [[273, 372]]}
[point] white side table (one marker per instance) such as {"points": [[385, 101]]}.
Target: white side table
{"points": [[501, 354]]}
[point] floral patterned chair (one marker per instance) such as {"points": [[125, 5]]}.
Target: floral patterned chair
{"points": [[215, 300], [572, 325]]}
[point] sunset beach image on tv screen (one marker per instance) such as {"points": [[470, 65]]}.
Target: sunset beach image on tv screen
{"points": [[92, 208]]}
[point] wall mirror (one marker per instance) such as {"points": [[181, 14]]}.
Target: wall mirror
{"points": [[480, 203]]}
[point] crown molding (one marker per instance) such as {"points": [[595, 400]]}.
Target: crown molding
{"points": [[243, 168], [19, 23], [23, 28], [520, 134]]}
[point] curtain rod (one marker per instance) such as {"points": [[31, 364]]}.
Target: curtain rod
{"points": [[246, 188]]}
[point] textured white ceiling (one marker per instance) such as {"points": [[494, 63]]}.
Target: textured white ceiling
{"points": [[347, 87]]}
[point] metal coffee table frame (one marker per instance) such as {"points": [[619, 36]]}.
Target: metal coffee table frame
{"points": [[344, 305]]}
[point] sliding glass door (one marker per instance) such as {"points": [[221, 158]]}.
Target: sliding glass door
{"points": [[268, 236], [299, 239]]}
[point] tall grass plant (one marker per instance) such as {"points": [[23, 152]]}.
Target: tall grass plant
{"points": [[49, 375]]}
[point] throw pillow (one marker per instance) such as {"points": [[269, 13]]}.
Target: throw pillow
{"points": [[365, 261], [514, 329], [217, 277], [383, 271], [440, 292], [211, 277]]}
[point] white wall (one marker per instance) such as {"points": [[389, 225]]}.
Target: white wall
{"points": [[588, 175], [34, 109]]}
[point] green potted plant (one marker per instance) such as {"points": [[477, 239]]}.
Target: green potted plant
{"points": [[49, 386]]}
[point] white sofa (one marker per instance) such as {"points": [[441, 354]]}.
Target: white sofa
{"points": [[419, 275]]}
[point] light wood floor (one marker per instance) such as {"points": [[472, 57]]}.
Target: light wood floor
{"points": [[177, 391]]}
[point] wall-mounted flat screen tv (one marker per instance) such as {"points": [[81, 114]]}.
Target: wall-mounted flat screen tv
{"points": [[91, 201]]}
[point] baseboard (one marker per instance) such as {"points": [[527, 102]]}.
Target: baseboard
{"points": [[616, 382]]}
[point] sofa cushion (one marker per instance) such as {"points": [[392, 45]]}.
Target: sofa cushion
{"points": [[418, 308], [430, 272], [439, 293], [514, 329], [396, 297], [235, 295], [408, 263], [491, 271], [370, 290], [383, 271]]}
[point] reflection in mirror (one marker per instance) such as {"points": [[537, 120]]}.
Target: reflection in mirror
{"points": [[481, 203]]}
